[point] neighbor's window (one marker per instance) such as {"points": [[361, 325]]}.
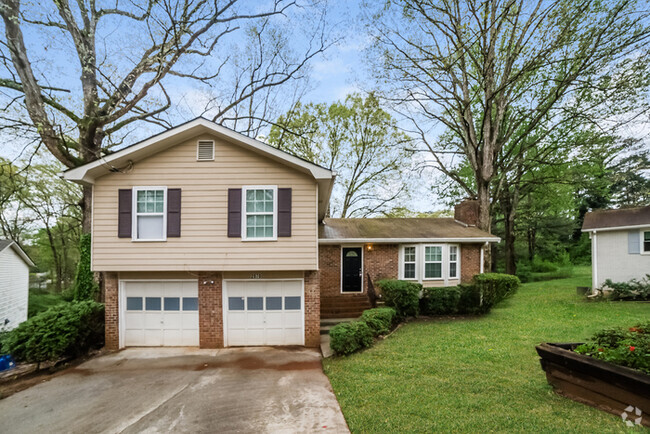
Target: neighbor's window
{"points": [[453, 262], [646, 242], [149, 213], [409, 262], [259, 209], [433, 262]]}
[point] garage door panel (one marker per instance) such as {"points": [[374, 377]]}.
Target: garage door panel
{"points": [[264, 312], [293, 319], [162, 319]]}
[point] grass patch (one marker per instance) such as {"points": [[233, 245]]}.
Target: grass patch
{"points": [[479, 374], [40, 300]]}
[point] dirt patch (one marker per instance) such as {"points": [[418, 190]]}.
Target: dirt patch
{"points": [[21, 381]]}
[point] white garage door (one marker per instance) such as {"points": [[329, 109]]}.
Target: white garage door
{"points": [[160, 313], [264, 312]]}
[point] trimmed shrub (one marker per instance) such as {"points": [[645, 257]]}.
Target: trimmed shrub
{"points": [[380, 320], [63, 331], [401, 295], [85, 287], [635, 289], [346, 338], [495, 287], [440, 301], [469, 301]]}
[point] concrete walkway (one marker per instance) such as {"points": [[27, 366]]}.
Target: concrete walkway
{"points": [[182, 390]]}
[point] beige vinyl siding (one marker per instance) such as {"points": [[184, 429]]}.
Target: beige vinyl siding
{"points": [[204, 244], [439, 283]]}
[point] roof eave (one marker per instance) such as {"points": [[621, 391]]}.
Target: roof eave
{"points": [[408, 240], [83, 175], [616, 228], [16, 248]]}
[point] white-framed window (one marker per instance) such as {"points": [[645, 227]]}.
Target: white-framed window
{"points": [[409, 262], [150, 214], [260, 213], [645, 242], [453, 262], [432, 262]]}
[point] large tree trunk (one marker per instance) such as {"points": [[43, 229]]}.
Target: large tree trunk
{"points": [[484, 219], [86, 209]]}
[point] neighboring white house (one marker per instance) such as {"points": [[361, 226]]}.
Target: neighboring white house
{"points": [[620, 244], [14, 284]]}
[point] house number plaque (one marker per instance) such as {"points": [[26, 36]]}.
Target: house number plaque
{"points": [[256, 276]]}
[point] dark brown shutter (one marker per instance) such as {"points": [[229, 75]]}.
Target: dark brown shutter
{"points": [[124, 220], [234, 212], [284, 212], [173, 212]]}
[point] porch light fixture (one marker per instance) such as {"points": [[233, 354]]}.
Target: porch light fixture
{"points": [[369, 247]]}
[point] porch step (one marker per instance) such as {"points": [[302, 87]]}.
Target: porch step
{"points": [[344, 305], [327, 324]]}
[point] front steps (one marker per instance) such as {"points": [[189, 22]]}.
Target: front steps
{"points": [[343, 306]]}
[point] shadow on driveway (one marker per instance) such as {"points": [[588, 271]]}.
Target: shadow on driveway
{"points": [[182, 390]]}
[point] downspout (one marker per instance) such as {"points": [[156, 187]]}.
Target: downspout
{"points": [[483, 256], [594, 260]]}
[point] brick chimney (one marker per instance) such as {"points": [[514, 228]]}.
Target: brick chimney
{"points": [[467, 212]]}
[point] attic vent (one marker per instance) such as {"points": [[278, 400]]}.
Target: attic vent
{"points": [[205, 150]]}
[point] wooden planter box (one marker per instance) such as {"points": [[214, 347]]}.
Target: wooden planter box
{"points": [[593, 382]]}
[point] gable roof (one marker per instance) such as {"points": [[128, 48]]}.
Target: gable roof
{"points": [[610, 219], [5, 244], [400, 230], [88, 173]]}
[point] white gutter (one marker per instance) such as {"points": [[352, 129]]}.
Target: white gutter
{"points": [[407, 240], [616, 228]]}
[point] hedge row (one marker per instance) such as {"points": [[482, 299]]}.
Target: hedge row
{"points": [[485, 291], [346, 338], [63, 331]]}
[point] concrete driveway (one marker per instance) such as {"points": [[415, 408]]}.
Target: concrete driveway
{"points": [[181, 390]]}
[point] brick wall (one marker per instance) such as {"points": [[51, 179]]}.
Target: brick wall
{"points": [[470, 261], [382, 262], [312, 309], [111, 314], [210, 310], [329, 262]]}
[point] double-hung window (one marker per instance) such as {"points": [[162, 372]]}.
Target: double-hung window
{"points": [[409, 259], [453, 262], [433, 262], [150, 205], [646, 242], [260, 211]]}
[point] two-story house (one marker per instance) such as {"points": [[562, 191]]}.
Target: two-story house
{"points": [[208, 238]]}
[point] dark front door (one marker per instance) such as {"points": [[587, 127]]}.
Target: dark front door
{"points": [[351, 269]]}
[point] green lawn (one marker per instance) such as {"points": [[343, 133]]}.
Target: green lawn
{"points": [[479, 374]]}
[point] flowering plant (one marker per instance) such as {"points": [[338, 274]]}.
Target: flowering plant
{"points": [[626, 347]]}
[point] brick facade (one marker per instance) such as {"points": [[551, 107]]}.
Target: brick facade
{"points": [[329, 263], [312, 309], [111, 312], [381, 262], [210, 310], [470, 261]]}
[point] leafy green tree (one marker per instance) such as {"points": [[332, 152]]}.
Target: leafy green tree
{"points": [[357, 139], [499, 76]]}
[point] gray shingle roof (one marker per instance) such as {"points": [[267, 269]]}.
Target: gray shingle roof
{"points": [[399, 228], [612, 218]]}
